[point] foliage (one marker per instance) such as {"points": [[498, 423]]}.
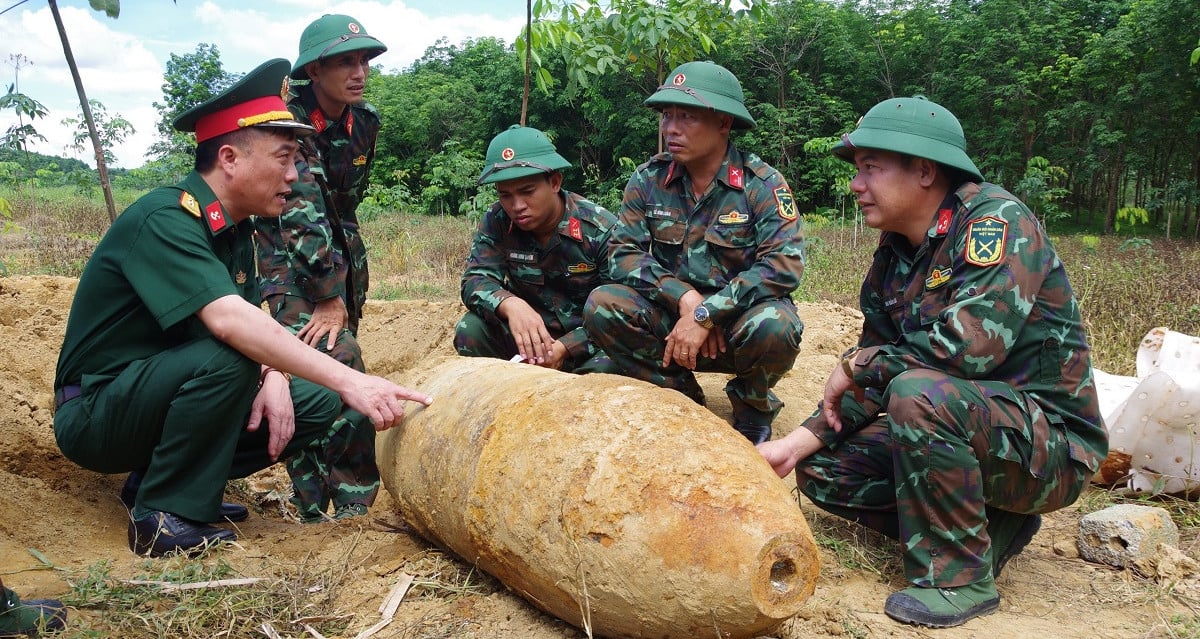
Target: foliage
{"points": [[18, 136], [1040, 188], [190, 79], [1131, 216], [641, 37], [112, 130]]}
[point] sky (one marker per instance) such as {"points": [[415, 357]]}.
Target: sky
{"points": [[122, 61]]}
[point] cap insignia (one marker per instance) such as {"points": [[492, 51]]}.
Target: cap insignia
{"points": [[508, 154], [353, 27], [679, 79]]}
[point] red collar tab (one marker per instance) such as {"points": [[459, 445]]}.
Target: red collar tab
{"points": [[575, 229], [349, 121], [737, 178], [943, 222], [670, 172], [215, 216], [268, 108], [318, 120]]}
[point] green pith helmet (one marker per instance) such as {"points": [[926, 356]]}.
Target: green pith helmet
{"points": [[915, 126], [330, 35], [519, 152], [707, 85]]}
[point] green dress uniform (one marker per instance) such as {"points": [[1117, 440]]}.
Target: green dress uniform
{"points": [[555, 279], [142, 384]]}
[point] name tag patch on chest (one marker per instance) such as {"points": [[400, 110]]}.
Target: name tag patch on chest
{"points": [[985, 241], [660, 213], [582, 267], [937, 277], [525, 257], [734, 217]]}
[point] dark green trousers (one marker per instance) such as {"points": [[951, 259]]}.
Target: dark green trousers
{"points": [[181, 415]]}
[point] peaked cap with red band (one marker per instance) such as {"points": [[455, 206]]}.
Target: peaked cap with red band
{"points": [[254, 100]]}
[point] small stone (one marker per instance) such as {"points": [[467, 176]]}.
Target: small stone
{"points": [[1125, 534]]}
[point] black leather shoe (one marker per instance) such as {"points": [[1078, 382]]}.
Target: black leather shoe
{"points": [[161, 533], [229, 512]]}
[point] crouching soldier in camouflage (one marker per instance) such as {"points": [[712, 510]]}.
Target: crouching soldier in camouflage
{"points": [[968, 406], [312, 260], [705, 256], [537, 254]]}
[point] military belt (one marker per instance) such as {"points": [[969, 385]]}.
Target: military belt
{"points": [[65, 394]]}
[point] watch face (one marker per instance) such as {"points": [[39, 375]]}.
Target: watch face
{"points": [[701, 313]]}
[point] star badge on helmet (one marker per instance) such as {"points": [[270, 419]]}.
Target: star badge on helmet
{"points": [[508, 154], [679, 79], [353, 27]]}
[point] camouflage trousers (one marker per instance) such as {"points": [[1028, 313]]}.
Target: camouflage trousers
{"points": [[938, 463], [761, 346], [476, 337], [338, 467]]}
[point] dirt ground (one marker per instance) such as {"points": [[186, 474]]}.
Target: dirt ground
{"points": [[73, 518]]}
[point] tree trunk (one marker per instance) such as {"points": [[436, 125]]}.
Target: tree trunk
{"points": [[528, 57], [101, 168]]}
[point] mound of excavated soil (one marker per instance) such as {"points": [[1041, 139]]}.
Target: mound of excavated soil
{"points": [[73, 516]]}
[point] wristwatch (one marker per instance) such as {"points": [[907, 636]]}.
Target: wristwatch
{"points": [[702, 318]]}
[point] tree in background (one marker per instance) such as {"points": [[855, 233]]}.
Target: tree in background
{"points": [[190, 79], [112, 130]]}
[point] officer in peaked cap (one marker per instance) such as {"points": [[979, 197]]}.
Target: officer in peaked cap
{"points": [[169, 369], [538, 253], [709, 248], [968, 407], [312, 261]]}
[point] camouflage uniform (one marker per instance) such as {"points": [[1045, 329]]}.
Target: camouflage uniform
{"points": [[740, 245], [314, 252], [978, 401], [555, 280]]}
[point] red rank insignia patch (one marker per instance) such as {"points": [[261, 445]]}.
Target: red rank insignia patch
{"points": [[318, 120], [943, 223], [575, 229], [215, 216], [985, 241], [736, 178]]}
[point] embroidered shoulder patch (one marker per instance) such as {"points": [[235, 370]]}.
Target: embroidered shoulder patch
{"points": [[189, 203], [787, 204], [985, 241]]}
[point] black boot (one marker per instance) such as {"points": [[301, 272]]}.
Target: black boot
{"points": [[229, 512], [161, 533]]}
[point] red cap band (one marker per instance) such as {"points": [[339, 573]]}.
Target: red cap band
{"points": [[247, 113]]}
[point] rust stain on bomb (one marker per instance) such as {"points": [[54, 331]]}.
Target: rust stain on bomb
{"points": [[604, 495]]}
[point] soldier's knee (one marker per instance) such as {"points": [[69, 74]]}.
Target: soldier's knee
{"points": [[913, 396], [468, 333], [606, 304]]}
